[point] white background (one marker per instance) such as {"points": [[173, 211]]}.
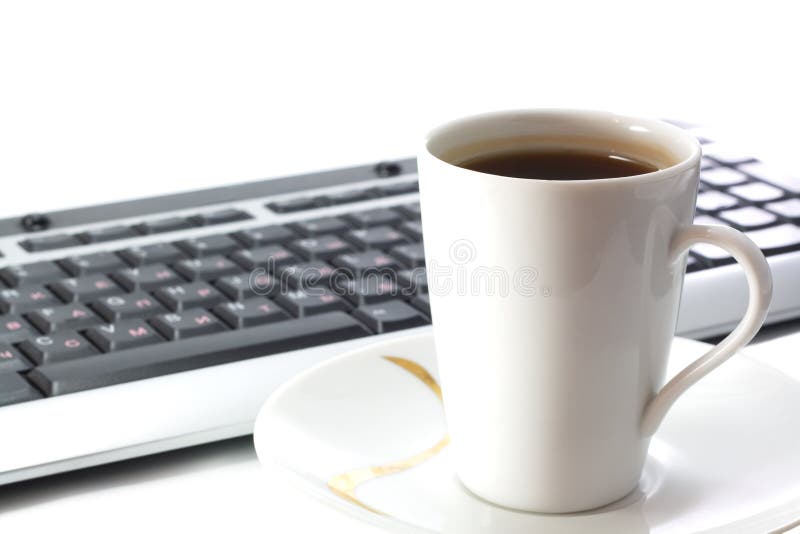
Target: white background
{"points": [[109, 100]]}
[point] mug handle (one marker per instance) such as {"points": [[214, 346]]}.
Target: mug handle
{"points": [[759, 280]]}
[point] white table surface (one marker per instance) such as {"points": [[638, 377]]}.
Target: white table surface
{"points": [[105, 101]]}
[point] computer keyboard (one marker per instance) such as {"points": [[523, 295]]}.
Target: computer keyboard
{"points": [[142, 326]]}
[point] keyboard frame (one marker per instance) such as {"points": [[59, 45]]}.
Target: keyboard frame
{"points": [[113, 423]]}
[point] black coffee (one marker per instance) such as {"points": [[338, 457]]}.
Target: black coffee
{"points": [[557, 165]]}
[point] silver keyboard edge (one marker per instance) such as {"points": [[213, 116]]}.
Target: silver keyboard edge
{"points": [[126, 453]]}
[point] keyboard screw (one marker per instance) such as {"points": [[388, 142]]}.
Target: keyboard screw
{"points": [[385, 169], [35, 222]]}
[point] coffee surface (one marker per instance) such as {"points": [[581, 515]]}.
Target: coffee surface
{"points": [[557, 165]]}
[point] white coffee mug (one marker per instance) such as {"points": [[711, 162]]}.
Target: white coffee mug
{"points": [[554, 303]]}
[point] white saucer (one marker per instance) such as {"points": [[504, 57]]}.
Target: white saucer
{"points": [[366, 433]]}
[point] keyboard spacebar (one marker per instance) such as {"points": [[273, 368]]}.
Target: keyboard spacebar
{"points": [[194, 353]]}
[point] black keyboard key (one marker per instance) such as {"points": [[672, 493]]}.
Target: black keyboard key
{"points": [[15, 389], [194, 295], [413, 229], [345, 197], [209, 268], [402, 188], [241, 287], [99, 262], [749, 217], [26, 298], [265, 285], [308, 274], [320, 226], [382, 237], [220, 217], [12, 360], [369, 290], [208, 246], [251, 312], [123, 335], [211, 245], [410, 255], [302, 303], [295, 204], [773, 175], [149, 254], [135, 305], [85, 288], [715, 200], [361, 263], [389, 316], [161, 226], [68, 317], [186, 355], [50, 242], [269, 257], [422, 302], [32, 273], [412, 211], [109, 233], [14, 328], [757, 192], [323, 247], [787, 208], [413, 281], [265, 235], [57, 347], [191, 323], [146, 278], [375, 217]]}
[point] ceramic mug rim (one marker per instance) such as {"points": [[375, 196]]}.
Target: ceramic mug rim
{"points": [[667, 136]]}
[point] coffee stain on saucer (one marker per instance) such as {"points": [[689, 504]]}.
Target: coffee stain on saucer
{"points": [[345, 485]]}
